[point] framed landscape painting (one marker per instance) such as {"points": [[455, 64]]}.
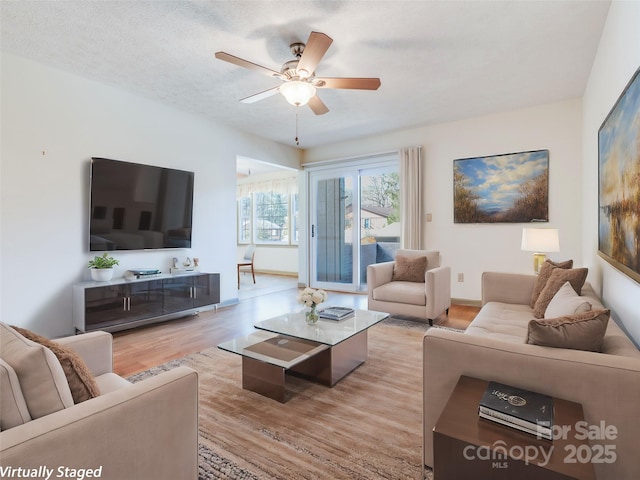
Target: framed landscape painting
{"points": [[508, 188], [619, 182]]}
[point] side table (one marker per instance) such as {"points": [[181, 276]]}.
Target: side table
{"points": [[466, 446]]}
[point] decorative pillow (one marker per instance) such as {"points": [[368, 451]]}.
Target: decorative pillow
{"points": [[13, 408], [42, 380], [81, 381], [558, 277], [584, 331], [566, 302], [543, 276], [409, 269]]}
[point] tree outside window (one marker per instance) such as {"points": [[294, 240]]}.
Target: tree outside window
{"points": [[268, 218]]}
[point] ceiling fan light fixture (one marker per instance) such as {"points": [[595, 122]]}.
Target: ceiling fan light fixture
{"points": [[297, 93]]}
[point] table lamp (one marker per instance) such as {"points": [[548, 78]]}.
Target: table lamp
{"points": [[540, 241]]}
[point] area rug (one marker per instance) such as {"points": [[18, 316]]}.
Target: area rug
{"points": [[368, 426]]}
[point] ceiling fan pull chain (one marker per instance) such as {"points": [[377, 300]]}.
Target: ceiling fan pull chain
{"points": [[297, 141]]}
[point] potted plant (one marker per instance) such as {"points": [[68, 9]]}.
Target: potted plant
{"points": [[102, 267]]}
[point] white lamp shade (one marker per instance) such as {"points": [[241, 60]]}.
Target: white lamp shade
{"points": [[297, 93], [540, 240]]}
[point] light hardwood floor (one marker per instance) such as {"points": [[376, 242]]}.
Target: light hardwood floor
{"points": [[145, 347]]}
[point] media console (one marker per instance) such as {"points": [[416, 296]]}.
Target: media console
{"points": [[121, 303]]}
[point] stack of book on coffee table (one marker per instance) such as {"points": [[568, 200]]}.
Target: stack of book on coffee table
{"points": [[336, 313], [524, 410]]}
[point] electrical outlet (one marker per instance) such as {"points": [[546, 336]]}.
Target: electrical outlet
{"points": [[461, 277]]}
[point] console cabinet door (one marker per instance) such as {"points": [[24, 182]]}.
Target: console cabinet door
{"points": [[206, 289], [178, 294], [105, 306], [113, 305], [145, 300]]}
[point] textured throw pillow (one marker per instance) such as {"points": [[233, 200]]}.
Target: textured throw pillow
{"points": [[584, 331], [543, 276], [42, 381], [575, 276], [566, 302], [409, 269], [82, 384]]}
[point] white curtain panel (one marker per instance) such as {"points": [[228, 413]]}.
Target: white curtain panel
{"points": [[411, 197], [285, 185]]}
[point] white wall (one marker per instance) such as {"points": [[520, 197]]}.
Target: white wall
{"points": [[45, 206], [474, 248], [281, 260], [617, 59]]}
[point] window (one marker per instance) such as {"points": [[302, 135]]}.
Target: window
{"points": [[268, 212], [272, 217], [244, 220]]}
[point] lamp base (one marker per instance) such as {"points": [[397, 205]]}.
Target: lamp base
{"points": [[538, 260]]}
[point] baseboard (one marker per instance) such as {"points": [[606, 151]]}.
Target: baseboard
{"points": [[466, 302], [276, 272], [229, 302]]}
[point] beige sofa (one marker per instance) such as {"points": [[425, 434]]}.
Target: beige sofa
{"points": [[421, 300], [143, 430], [493, 348]]}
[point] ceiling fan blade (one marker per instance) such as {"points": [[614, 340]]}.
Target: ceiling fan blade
{"points": [[227, 57], [317, 106], [314, 50], [260, 96], [348, 83]]}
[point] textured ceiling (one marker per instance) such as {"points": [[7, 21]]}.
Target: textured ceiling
{"points": [[438, 60]]}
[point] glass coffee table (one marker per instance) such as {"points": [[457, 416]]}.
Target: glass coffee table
{"points": [[325, 352]]}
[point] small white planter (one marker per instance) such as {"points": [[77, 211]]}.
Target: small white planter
{"points": [[102, 274]]}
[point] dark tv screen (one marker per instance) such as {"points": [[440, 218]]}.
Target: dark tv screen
{"points": [[138, 207]]}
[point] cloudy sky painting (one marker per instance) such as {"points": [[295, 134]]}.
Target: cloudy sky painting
{"points": [[502, 188]]}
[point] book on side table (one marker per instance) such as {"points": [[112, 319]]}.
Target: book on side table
{"points": [[336, 313], [517, 408]]}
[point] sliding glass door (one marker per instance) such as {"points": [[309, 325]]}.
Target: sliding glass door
{"points": [[351, 208]]}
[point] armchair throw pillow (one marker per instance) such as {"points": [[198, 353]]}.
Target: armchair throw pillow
{"points": [[584, 331], [409, 269], [41, 377], [82, 384]]}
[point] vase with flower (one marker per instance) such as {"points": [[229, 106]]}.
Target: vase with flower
{"points": [[311, 298]]}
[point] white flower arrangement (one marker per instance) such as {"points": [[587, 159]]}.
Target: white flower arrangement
{"points": [[311, 297]]}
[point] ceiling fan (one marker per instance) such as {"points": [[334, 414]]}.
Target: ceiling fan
{"points": [[298, 75]]}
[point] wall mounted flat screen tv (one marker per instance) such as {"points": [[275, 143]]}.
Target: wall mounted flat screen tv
{"points": [[138, 207]]}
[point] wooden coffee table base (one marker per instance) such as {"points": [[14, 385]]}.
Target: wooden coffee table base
{"points": [[327, 367]]}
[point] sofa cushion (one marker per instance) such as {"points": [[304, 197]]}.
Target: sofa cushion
{"points": [[42, 380], [81, 382], [502, 321], [575, 276], [543, 277], [13, 408], [401, 292], [406, 269], [583, 331], [566, 302]]}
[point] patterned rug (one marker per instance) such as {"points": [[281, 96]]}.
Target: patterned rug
{"points": [[368, 426]]}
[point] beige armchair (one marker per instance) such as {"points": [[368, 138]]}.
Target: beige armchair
{"points": [[144, 430], [424, 300]]}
